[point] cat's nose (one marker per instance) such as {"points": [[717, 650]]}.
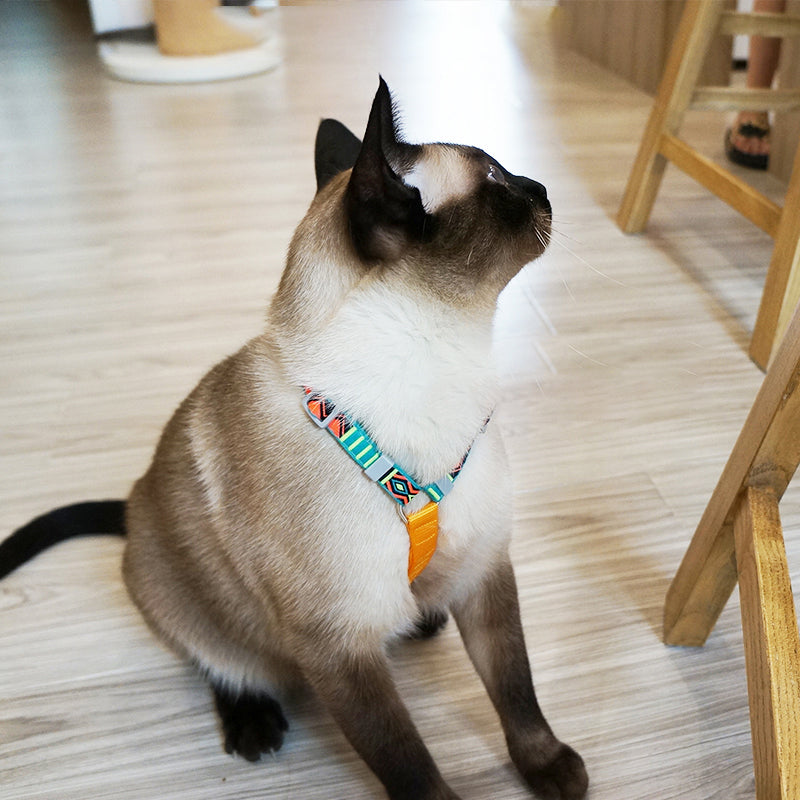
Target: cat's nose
{"points": [[535, 188], [530, 187], [539, 189]]}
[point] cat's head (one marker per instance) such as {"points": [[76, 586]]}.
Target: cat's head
{"points": [[449, 213], [444, 219]]}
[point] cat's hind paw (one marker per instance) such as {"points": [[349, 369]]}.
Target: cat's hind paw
{"points": [[251, 724], [430, 622]]}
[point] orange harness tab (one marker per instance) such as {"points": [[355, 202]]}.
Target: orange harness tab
{"points": [[423, 530]]}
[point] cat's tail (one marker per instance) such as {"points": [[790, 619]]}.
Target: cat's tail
{"points": [[67, 522]]}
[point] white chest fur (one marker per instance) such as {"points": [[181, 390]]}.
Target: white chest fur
{"points": [[416, 373]]}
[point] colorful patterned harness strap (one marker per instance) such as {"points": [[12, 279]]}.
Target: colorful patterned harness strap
{"points": [[397, 483]]}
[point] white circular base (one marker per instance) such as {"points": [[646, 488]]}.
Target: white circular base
{"points": [[143, 63]]}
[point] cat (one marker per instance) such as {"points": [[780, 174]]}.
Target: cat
{"points": [[256, 549]]}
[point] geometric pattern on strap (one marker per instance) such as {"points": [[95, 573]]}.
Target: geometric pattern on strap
{"points": [[356, 442]]}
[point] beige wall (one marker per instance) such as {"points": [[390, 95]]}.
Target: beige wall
{"points": [[632, 38]]}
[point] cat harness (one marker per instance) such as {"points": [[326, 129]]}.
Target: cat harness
{"points": [[422, 525]]}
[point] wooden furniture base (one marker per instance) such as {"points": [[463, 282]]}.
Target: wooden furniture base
{"points": [[678, 91], [739, 538]]}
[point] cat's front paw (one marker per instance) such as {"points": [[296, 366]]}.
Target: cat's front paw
{"points": [[563, 777]]}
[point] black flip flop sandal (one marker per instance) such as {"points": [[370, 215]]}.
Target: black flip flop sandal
{"points": [[750, 160]]}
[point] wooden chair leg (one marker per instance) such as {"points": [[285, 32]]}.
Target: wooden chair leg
{"points": [[698, 26], [781, 292], [772, 646], [701, 587]]}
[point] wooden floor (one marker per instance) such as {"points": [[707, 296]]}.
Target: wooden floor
{"points": [[142, 231]]}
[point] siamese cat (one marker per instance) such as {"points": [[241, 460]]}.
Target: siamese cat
{"points": [[259, 551]]}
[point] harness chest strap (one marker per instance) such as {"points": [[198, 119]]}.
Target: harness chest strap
{"points": [[422, 525]]}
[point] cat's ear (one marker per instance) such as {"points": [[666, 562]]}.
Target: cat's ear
{"points": [[335, 150], [384, 213]]}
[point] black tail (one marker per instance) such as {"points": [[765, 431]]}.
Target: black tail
{"points": [[80, 519]]}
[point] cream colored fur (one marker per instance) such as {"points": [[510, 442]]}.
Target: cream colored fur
{"points": [[277, 524], [260, 551], [442, 174]]}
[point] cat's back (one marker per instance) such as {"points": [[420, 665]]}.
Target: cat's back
{"points": [[228, 419], [242, 476], [244, 506]]}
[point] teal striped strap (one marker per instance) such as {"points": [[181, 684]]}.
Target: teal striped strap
{"points": [[356, 442]]}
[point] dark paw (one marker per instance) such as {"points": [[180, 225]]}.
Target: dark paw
{"points": [[563, 778], [251, 724], [429, 624]]}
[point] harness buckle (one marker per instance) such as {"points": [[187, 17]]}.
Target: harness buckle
{"points": [[320, 409], [444, 485], [379, 468]]}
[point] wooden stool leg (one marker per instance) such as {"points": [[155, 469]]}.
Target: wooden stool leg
{"points": [[772, 646], [782, 285], [698, 26]]}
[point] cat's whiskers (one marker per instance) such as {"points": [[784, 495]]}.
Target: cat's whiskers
{"points": [[580, 258], [563, 279], [544, 240]]}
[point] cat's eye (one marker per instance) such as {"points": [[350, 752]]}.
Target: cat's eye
{"points": [[495, 174]]}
